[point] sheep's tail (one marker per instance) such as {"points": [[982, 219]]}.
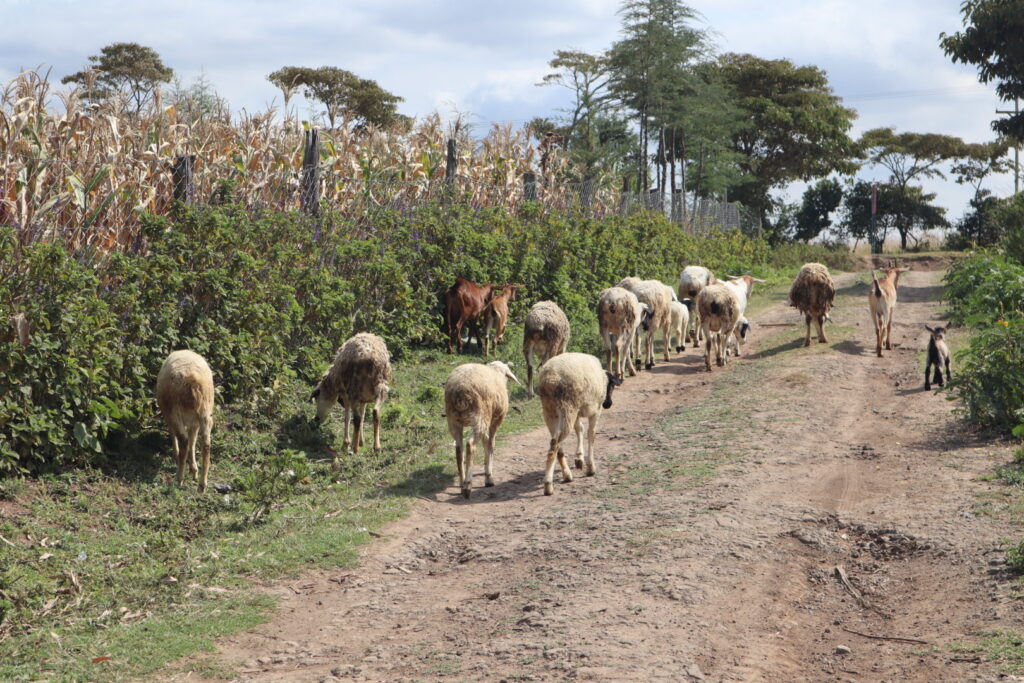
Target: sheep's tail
{"points": [[715, 308]]}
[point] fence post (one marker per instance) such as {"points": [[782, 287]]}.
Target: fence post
{"points": [[677, 205], [452, 164], [310, 200], [183, 174], [624, 196], [587, 191], [530, 186]]}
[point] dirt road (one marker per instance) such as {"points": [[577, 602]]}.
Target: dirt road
{"points": [[787, 518]]}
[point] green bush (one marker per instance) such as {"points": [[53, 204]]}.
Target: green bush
{"points": [[983, 288], [267, 297]]}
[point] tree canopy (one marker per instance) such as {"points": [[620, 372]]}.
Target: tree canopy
{"points": [[133, 70], [343, 94], [993, 41], [796, 128]]}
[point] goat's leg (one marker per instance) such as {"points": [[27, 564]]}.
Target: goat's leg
{"points": [[888, 333], [938, 375], [878, 334], [948, 375], [928, 374]]}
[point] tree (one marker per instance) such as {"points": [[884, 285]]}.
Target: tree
{"points": [[819, 202], [993, 40], [910, 206], [796, 129], [197, 101], [342, 93], [979, 161], [127, 68], [909, 157], [651, 64]]}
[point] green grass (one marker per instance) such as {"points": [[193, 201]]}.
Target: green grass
{"points": [[1003, 647]]}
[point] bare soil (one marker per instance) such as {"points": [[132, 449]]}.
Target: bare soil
{"points": [[788, 518]]}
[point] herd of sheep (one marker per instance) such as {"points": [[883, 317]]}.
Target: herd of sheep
{"points": [[573, 387]]}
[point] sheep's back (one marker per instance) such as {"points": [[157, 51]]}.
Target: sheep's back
{"points": [[617, 310], [656, 295], [572, 379], [546, 322], [475, 393], [362, 368], [718, 306], [185, 383], [813, 290]]}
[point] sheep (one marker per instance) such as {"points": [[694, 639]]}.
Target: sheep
{"points": [[476, 396], [184, 393], [813, 293], [495, 316], [619, 316], [738, 337], [938, 355], [742, 286], [719, 309], [658, 297], [546, 333], [361, 374], [679, 323], [882, 303], [691, 280], [571, 387]]}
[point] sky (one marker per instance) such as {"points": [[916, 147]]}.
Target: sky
{"points": [[483, 58]]}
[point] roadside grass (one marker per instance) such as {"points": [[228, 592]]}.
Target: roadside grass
{"points": [[111, 574], [1003, 647]]}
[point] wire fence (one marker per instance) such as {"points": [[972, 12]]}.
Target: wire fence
{"points": [[95, 207]]}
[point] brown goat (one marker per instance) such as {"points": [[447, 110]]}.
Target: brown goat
{"points": [[882, 301], [464, 303], [495, 315]]}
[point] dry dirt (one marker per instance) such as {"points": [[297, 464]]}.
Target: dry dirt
{"points": [[713, 544]]}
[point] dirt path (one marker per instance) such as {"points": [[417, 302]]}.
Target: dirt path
{"points": [[706, 548]]}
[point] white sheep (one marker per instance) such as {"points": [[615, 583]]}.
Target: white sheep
{"points": [[476, 396], [691, 280], [719, 310], [742, 286], [738, 337], [184, 393], [360, 375], [571, 387], [620, 316], [658, 297], [545, 333], [679, 323]]}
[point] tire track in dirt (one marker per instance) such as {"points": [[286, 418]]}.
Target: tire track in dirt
{"points": [[705, 547]]}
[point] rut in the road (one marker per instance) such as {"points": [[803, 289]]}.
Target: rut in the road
{"points": [[707, 546]]}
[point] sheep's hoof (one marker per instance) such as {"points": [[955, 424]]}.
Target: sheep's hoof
{"points": [[489, 482], [465, 493], [549, 488], [566, 477], [680, 349], [591, 471], [648, 366], [579, 463]]}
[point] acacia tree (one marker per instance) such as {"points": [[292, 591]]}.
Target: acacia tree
{"points": [[897, 206], [133, 70], [993, 41], [342, 93], [909, 157], [796, 128]]}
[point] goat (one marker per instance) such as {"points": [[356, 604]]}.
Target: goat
{"points": [[882, 302], [938, 355]]}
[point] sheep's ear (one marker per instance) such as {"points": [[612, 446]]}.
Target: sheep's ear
{"points": [[511, 376], [315, 394], [755, 279]]}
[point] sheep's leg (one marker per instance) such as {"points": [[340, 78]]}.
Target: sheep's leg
{"points": [[190, 451], [707, 350], [528, 352], [591, 435], [180, 453], [206, 428], [549, 468], [376, 428], [609, 342], [359, 415], [807, 339], [650, 349], [579, 457], [821, 330], [559, 431], [488, 456], [458, 456], [467, 477], [563, 463], [666, 335], [626, 357]]}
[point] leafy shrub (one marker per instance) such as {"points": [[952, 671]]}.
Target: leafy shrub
{"points": [[267, 297], [982, 288]]}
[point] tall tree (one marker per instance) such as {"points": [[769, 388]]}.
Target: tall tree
{"points": [[342, 93], [819, 202], [796, 129], [655, 55], [993, 41], [910, 157], [133, 70], [979, 161]]}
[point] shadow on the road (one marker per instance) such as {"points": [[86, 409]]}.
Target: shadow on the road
{"points": [[850, 348], [775, 350], [919, 294]]}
